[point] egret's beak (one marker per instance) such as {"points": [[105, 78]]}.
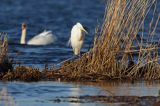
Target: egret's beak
{"points": [[84, 30]]}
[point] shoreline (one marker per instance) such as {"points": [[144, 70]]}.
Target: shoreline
{"points": [[27, 74]]}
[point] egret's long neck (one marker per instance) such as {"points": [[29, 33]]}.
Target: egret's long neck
{"points": [[23, 36]]}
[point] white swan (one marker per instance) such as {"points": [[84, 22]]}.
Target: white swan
{"points": [[77, 38], [43, 38]]}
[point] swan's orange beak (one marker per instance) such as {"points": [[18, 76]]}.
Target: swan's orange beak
{"points": [[24, 26]]}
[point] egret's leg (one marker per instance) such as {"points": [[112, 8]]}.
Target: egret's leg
{"points": [[79, 53], [74, 50]]}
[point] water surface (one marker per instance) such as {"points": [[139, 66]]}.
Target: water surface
{"points": [[40, 15], [45, 93]]}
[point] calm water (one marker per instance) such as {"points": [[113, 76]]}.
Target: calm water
{"points": [[58, 16], [44, 93]]}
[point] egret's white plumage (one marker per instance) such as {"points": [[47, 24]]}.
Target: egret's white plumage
{"points": [[77, 38], [43, 38]]}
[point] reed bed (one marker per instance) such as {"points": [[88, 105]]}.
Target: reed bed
{"points": [[112, 54]]}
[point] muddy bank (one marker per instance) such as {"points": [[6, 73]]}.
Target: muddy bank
{"points": [[119, 100], [23, 73]]}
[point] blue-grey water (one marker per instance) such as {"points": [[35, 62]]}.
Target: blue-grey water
{"points": [[58, 16], [48, 93]]}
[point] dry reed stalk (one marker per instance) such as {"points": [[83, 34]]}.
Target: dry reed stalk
{"points": [[148, 60], [3, 47], [5, 99], [5, 62]]}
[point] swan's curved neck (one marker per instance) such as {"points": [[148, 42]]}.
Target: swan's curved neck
{"points": [[23, 36]]}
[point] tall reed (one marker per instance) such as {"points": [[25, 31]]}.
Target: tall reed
{"points": [[3, 47], [5, 61]]}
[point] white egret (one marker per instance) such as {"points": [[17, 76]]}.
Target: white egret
{"points": [[43, 38], [77, 38]]}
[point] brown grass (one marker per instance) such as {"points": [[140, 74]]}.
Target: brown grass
{"points": [[112, 51]]}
